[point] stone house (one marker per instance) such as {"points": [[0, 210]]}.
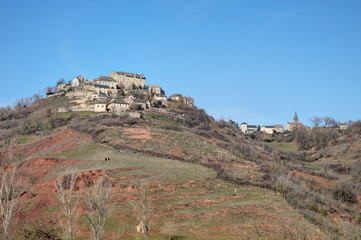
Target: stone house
{"points": [[155, 89], [99, 96], [119, 105], [107, 81], [77, 81], [162, 98], [295, 124], [128, 79], [271, 129], [176, 97], [144, 103], [343, 126], [104, 89], [188, 100], [246, 129], [100, 107]]}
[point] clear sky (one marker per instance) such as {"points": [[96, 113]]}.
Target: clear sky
{"points": [[253, 61]]}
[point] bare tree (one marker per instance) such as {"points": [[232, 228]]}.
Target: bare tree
{"points": [[68, 199], [330, 122], [48, 90], [316, 121], [96, 203], [142, 206], [11, 188], [60, 81]]}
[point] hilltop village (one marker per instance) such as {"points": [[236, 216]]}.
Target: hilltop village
{"points": [[278, 128], [120, 93], [247, 129]]}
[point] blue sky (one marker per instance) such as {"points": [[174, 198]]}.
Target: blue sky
{"points": [[253, 61]]}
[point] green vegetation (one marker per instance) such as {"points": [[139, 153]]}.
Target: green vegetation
{"points": [[284, 146]]}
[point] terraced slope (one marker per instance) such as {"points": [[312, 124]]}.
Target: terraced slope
{"points": [[189, 201]]}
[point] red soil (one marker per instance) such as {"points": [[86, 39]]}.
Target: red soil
{"points": [[58, 142]]}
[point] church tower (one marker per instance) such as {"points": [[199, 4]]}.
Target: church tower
{"points": [[295, 118]]}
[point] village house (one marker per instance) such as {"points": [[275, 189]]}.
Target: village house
{"points": [[77, 81], [246, 129], [107, 81], [155, 89], [98, 96], [129, 79], [162, 98], [188, 100], [272, 129], [100, 107], [142, 103], [343, 126], [295, 124], [176, 97], [118, 105]]}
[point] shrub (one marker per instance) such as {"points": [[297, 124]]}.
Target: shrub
{"points": [[343, 193], [314, 208]]}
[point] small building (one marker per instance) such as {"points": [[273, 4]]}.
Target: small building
{"points": [[343, 126], [118, 105], [160, 98], [271, 129], [77, 81], [295, 124], [176, 97], [144, 104], [99, 96], [100, 107], [155, 89], [141, 228], [188, 100], [246, 129], [107, 81]]}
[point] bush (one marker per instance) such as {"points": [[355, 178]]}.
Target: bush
{"points": [[344, 193]]}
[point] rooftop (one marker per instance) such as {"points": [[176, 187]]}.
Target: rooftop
{"points": [[100, 86], [128, 74], [106, 78]]}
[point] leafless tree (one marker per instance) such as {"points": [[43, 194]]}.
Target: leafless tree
{"points": [[330, 122], [97, 205], [316, 121], [142, 206], [60, 81], [169, 228], [11, 188], [66, 195], [48, 90]]}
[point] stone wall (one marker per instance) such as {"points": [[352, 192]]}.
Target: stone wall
{"points": [[128, 81]]}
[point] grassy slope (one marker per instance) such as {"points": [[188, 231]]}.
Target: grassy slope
{"points": [[284, 146], [189, 197]]}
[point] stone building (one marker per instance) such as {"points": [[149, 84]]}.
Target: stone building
{"points": [[162, 98], [176, 97], [246, 129], [343, 126], [155, 89], [100, 107], [128, 79], [119, 105], [107, 81], [295, 124], [188, 100], [77, 81], [272, 128]]}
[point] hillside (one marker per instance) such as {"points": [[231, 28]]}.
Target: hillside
{"points": [[207, 180]]}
